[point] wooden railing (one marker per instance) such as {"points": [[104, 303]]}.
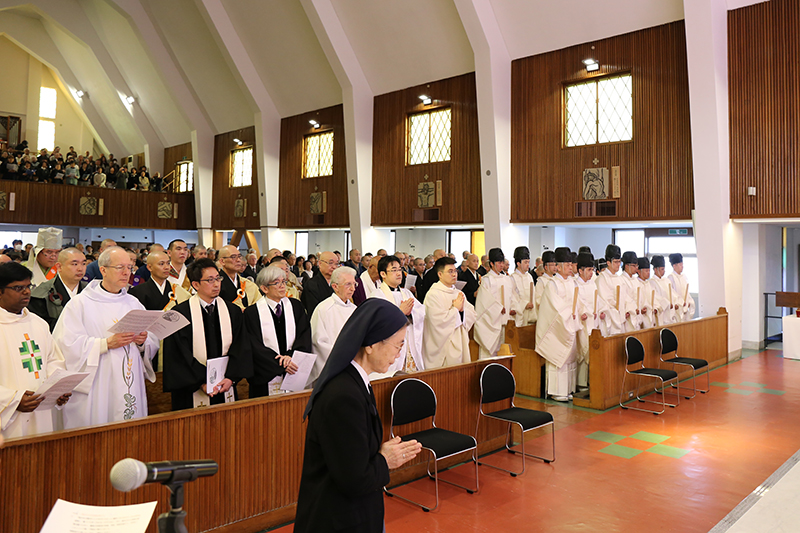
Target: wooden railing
{"points": [[258, 444]]}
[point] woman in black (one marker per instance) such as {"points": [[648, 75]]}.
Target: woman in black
{"points": [[345, 466]]}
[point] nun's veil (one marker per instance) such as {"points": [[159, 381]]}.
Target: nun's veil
{"points": [[375, 320]]}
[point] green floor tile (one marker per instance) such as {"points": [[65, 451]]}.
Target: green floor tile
{"points": [[668, 451], [621, 451], [751, 384], [649, 437], [740, 391], [720, 384], [775, 392], [605, 437]]}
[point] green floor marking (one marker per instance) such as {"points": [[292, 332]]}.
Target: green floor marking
{"points": [[649, 437], [773, 391], [720, 384], [668, 451], [621, 451], [740, 391], [604, 436], [751, 384]]}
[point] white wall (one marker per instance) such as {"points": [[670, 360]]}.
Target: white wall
{"points": [[70, 127], [597, 239], [762, 264], [419, 242], [13, 83]]}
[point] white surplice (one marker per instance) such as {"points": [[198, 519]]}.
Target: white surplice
{"points": [[27, 356], [114, 389], [327, 321], [556, 331], [663, 288], [413, 339], [524, 287], [628, 302], [646, 301], [369, 285], [446, 334], [607, 284], [541, 284], [490, 322], [686, 306], [587, 296]]}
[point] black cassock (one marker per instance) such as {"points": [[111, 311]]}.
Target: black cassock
{"points": [[183, 374], [265, 366]]}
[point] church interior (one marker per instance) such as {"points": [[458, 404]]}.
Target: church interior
{"points": [[461, 125]]}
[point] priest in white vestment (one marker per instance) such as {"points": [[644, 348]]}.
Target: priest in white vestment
{"points": [[448, 319], [524, 300], [631, 290], [556, 330], [28, 356], [680, 285], [493, 306], [591, 310], [646, 292], [117, 363], [43, 257], [609, 289], [549, 265], [663, 308], [330, 316], [410, 360]]}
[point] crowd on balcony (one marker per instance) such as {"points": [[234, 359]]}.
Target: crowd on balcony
{"points": [[19, 164]]}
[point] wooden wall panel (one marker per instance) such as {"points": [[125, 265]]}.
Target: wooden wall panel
{"points": [[223, 195], [764, 107], [394, 184], [59, 205], [294, 208], [175, 154], [259, 445], [656, 166]]}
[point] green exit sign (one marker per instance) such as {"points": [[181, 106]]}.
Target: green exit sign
{"points": [[679, 232]]}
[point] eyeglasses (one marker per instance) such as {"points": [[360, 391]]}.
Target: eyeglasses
{"points": [[19, 288], [122, 268], [234, 257], [399, 348], [212, 280], [331, 263], [279, 283]]}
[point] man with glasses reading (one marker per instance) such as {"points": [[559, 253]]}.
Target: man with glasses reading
{"points": [[235, 288], [214, 331], [117, 364], [318, 287]]}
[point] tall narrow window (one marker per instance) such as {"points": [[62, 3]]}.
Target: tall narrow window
{"points": [[318, 156], [301, 244], [185, 176], [47, 115], [242, 167], [598, 111], [428, 138]]}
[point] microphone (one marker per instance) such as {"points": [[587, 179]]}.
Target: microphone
{"points": [[130, 474]]}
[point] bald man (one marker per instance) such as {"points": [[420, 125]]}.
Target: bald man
{"points": [[143, 273], [236, 289], [431, 276], [49, 298], [4, 258], [157, 293], [318, 288]]}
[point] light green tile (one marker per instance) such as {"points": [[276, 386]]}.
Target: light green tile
{"points": [[772, 391], [740, 391], [751, 384], [621, 451], [649, 437], [668, 451], [720, 384], [605, 437]]}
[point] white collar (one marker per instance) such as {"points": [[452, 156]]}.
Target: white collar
{"points": [[203, 302], [72, 293], [273, 305], [159, 285], [361, 372], [234, 279]]}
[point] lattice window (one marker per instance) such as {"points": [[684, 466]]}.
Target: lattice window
{"points": [[429, 137], [242, 167], [48, 98], [599, 111], [318, 155], [185, 176]]}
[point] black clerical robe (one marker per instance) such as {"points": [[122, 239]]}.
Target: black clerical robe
{"points": [[471, 286], [428, 280], [265, 366], [315, 290], [183, 374], [49, 298], [228, 291], [150, 295]]}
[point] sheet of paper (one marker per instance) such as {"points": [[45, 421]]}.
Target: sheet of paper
{"points": [[168, 323], [297, 381], [162, 324], [460, 284], [215, 371], [411, 281], [68, 517], [275, 386], [56, 385]]}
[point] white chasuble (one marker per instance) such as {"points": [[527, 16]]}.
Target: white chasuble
{"points": [[199, 350], [524, 293], [114, 389], [446, 334], [412, 345], [28, 356], [326, 322], [492, 310], [681, 297], [663, 300], [556, 327], [607, 284], [541, 284]]}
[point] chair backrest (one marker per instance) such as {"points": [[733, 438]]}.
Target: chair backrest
{"points": [[497, 383], [669, 342], [634, 350], [412, 400]]}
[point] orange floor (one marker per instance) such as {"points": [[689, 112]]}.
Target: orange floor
{"points": [[627, 471]]}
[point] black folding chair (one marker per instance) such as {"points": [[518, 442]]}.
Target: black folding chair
{"points": [[634, 355], [414, 400], [669, 344], [498, 383]]}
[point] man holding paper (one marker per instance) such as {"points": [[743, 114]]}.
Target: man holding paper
{"points": [[117, 363], [27, 356], [277, 326], [213, 332], [493, 306]]}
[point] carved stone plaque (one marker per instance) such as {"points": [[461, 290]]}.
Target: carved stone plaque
{"points": [[238, 208], [164, 209], [316, 203], [3, 200], [426, 194], [595, 184], [88, 205]]}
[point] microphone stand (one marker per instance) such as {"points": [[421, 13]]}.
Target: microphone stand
{"points": [[173, 521]]}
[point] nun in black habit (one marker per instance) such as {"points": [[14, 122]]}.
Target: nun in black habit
{"points": [[346, 464]]}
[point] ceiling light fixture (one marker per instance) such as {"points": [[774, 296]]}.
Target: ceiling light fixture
{"points": [[314, 123], [130, 99], [79, 93], [426, 100], [591, 64], [238, 142]]}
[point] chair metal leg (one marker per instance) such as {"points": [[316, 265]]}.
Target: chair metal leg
{"points": [[662, 403], [676, 384], [546, 460]]}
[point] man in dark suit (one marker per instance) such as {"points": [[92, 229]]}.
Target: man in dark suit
{"points": [[430, 278], [319, 288], [49, 298], [485, 266], [471, 278]]}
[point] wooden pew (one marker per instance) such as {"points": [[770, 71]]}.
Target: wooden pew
{"points": [[527, 363], [258, 444], [704, 338]]}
